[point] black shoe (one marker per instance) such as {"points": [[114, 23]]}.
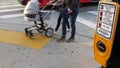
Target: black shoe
{"points": [[62, 39], [70, 40]]}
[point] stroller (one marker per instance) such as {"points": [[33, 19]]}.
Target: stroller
{"points": [[39, 27]]}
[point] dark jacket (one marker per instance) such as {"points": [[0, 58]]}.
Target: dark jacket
{"points": [[72, 4]]}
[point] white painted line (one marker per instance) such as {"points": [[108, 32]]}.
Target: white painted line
{"points": [[92, 12], [8, 10], [10, 6], [5, 3], [11, 16], [86, 22]]}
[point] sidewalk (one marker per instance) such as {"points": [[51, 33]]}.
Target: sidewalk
{"points": [[78, 54]]}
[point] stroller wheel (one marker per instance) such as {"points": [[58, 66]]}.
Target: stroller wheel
{"points": [[27, 33], [31, 35], [49, 32]]}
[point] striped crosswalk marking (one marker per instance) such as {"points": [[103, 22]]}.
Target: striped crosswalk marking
{"points": [[9, 10], [8, 6], [5, 3], [86, 22], [11, 16], [92, 12]]}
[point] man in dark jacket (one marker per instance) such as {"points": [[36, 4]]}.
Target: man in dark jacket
{"points": [[71, 9]]}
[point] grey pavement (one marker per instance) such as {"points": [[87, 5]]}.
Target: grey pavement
{"points": [[78, 54]]}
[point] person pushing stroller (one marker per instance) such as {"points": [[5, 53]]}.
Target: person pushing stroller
{"points": [[59, 4]]}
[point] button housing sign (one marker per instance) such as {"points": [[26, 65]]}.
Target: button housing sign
{"points": [[105, 21]]}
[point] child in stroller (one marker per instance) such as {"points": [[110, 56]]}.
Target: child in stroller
{"points": [[32, 13]]}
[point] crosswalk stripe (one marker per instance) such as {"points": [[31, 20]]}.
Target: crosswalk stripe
{"points": [[5, 3], [8, 1], [9, 10], [86, 22], [92, 12], [11, 16], [10, 6]]}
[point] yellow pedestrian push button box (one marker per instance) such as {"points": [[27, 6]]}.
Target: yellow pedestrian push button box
{"points": [[106, 30]]}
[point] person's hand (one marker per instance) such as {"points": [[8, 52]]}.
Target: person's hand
{"points": [[69, 11], [54, 4], [49, 3]]}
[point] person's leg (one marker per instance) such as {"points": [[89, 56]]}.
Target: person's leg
{"points": [[73, 26], [67, 23], [64, 26], [73, 20], [58, 22], [64, 14]]}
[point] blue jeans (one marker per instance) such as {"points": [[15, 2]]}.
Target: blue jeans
{"points": [[73, 16]]}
